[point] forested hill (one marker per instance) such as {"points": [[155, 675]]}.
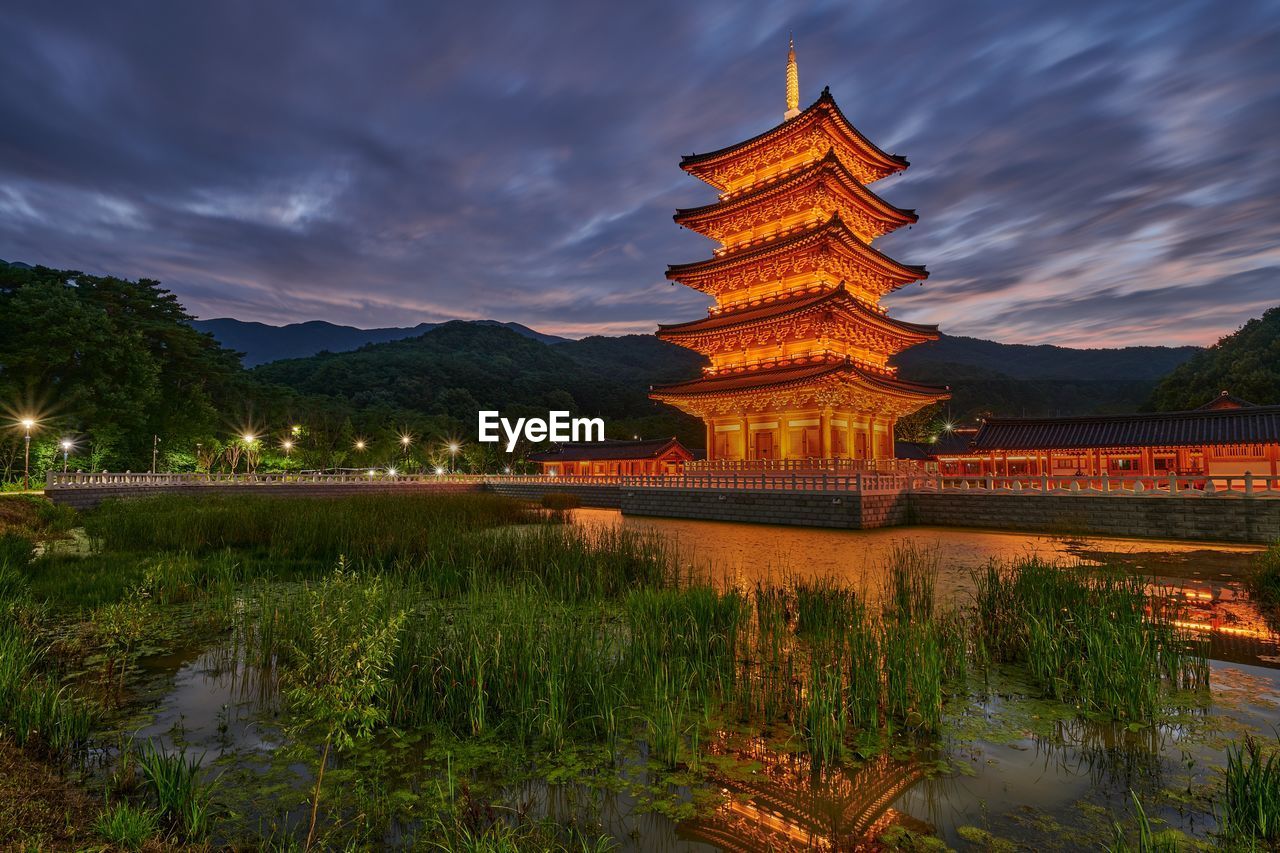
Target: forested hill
{"points": [[1246, 363], [1045, 361], [260, 343], [458, 368]]}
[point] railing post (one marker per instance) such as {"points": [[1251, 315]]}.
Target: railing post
{"points": [[1248, 483], [1173, 484]]}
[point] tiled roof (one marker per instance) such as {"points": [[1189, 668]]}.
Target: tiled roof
{"points": [[589, 451], [830, 164], [1226, 400], [1250, 425], [782, 307], [780, 377], [824, 103], [834, 229]]}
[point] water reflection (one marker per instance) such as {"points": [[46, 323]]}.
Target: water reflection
{"points": [[780, 801]]}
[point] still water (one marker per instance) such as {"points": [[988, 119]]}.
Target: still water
{"points": [[1007, 770]]}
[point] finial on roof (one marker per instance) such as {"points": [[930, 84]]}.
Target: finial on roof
{"points": [[793, 82]]}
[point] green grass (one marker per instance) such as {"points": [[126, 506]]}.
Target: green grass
{"points": [[1249, 809], [1264, 580], [1095, 639], [127, 826], [173, 780]]}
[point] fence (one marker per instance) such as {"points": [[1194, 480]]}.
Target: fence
{"points": [[99, 479], [1246, 485]]}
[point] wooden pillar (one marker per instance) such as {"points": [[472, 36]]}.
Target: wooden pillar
{"points": [[1273, 456], [746, 436], [711, 440], [784, 435], [824, 433]]}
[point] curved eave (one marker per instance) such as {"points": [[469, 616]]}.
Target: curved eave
{"points": [[791, 377], [825, 105], [692, 217], [833, 228], [910, 333]]}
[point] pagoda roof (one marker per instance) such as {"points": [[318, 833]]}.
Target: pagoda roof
{"points": [[783, 377], [834, 229], [835, 297], [822, 110], [1244, 425], [1226, 400], [829, 165], [589, 451]]}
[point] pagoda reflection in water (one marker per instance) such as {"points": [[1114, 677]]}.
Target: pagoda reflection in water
{"points": [[784, 803]]}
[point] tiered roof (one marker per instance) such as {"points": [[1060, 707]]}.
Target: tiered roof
{"points": [[794, 376], [825, 183], [837, 302], [831, 245], [820, 127]]}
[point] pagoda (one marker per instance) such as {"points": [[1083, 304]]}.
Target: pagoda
{"points": [[798, 344]]}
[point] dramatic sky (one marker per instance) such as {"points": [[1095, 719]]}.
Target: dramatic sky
{"points": [[1087, 173]]}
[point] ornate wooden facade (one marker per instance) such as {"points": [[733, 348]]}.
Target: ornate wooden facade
{"points": [[798, 343]]}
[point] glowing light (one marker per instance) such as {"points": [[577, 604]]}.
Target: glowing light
{"points": [[287, 445], [65, 444], [249, 438], [506, 470], [948, 426], [391, 472], [372, 472], [453, 447], [405, 440], [296, 429], [360, 444], [439, 471], [28, 423]]}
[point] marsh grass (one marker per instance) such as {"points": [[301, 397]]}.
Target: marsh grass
{"points": [[382, 527], [1264, 578], [1097, 639], [126, 826], [174, 780], [1249, 811]]}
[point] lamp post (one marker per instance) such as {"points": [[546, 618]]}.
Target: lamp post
{"points": [[66, 449], [27, 424], [453, 457], [249, 439]]}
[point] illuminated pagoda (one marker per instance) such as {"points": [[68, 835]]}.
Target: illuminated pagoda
{"points": [[798, 344]]}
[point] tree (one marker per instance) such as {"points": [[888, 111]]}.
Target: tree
{"points": [[1245, 363]]}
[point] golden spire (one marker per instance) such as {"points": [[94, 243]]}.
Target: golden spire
{"points": [[793, 83]]}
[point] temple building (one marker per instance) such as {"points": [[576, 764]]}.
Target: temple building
{"points": [[798, 343], [614, 458], [1226, 437]]}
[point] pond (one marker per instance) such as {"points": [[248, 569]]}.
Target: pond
{"points": [[1005, 769]]}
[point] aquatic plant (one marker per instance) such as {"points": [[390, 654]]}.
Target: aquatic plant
{"points": [[175, 782], [1264, 579], [340, 665], [1249, 809], [1150, 840], [126, 826], [1097, 639]]}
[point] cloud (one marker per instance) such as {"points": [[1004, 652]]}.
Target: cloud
{"points": [[1085, 174]]}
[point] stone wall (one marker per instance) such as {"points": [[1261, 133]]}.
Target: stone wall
{"points": [[806, 509], [1224, 519], [607, 496], [86, 497]]}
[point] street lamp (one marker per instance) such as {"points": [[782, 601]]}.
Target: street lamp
{"points": [[453, 456], [286, 446], [27, 424], [65, 444], [359, 444]]}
